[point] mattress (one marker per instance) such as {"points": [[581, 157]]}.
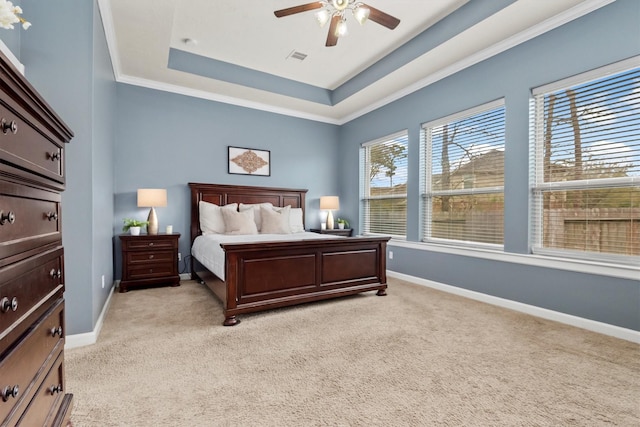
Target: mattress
{"points": [[207, 250]]}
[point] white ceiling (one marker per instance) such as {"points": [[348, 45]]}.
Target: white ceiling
{"points": [[246, 33]]}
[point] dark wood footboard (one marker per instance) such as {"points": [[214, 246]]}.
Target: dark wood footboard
{"points": [[278, 274]]}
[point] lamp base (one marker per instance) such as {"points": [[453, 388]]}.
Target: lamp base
{"points": [[330, 221], [152, 227]]}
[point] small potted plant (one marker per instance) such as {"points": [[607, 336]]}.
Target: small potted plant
{"points": [[133, 226], [343, 223]]}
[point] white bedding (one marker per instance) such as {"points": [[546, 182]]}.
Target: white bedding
{"points": [[208, 251]]}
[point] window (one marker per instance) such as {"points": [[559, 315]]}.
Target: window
{"points": [[383, 185], [586, 171], [463, 174]]}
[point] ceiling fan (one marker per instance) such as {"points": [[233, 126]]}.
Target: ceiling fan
{"points": [[334, 11]]}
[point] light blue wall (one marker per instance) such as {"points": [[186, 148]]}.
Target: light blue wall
{"points": [[602, 37], [66, 60], [166, 140]]}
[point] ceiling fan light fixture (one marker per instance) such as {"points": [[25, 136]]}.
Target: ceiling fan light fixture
{"points": [[341, 28], [323, 17], [361, 13]]}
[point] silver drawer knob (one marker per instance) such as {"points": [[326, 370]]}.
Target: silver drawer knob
{"points": [[56, 331], [56, 388], [11, 126], [7, 304], [9, 217], [9, 391]]}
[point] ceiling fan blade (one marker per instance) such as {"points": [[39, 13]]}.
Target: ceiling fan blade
{"points": [[382, 18], [332, 39], [297, 9]]}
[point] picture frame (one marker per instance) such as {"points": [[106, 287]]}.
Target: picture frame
{"points": [[249, 161]]}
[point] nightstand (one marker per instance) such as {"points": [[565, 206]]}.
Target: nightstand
{"points": [[336, 231], [149, 260]]}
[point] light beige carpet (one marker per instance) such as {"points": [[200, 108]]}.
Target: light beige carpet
{"points": [[416, 357]]}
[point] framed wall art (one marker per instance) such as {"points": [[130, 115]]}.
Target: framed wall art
{"points": [[248, 161]]}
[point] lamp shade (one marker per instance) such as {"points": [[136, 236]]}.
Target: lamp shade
{"points": [[329, 203], [152, 198]]}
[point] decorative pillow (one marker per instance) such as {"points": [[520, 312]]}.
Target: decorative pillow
{"points": [[211, 221], [296, 224], [275, 222], [239, 222], [256, 211]]}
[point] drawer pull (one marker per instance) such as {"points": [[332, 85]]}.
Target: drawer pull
{"points": [[151, 244], [4, 217], [10, 392], [6, 304], [56, 388], [52, 216], [55, 274], [150, 256], [9, 126], [56, 331], [53, 156]]}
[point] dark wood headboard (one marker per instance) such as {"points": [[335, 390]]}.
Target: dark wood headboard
{"points": [[224, 194]]}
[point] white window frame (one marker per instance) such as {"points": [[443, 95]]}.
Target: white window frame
{"points": [[365, 187], [537, 184], [426, 160]]}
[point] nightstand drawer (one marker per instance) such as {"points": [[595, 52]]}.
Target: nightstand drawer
{"points": [[149, 271], [145, 243], [150, 257]]}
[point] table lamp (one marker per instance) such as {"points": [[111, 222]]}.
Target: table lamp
{"points": [[152, 198], [329, 203]]}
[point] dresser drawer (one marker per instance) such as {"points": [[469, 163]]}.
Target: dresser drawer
{"points": [[25, 147], [150, 271], [145, 243], [22, 370], [29, 218], [23, 287], [43, 406], [150, 257]]}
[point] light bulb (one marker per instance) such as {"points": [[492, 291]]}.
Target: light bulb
{"points": [[323, 17], [361, 14], [341, 29]]}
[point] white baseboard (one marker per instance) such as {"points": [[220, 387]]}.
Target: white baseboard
{"points": [[89, 338], [579, 322]]}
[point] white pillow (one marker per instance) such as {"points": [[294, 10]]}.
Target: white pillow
{"points": [[275, 222], [211, 221], [256, 211], [296, 224], [239, 222]]}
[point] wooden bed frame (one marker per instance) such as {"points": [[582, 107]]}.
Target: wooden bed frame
{"points": [[261, 276]]}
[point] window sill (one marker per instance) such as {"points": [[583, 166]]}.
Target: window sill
{"points": [[621, 271]]}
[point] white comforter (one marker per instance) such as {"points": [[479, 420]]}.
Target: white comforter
{"points": [[207, 249]]}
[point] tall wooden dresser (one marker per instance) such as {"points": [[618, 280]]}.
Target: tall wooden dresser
{"points": [[32, 329]]}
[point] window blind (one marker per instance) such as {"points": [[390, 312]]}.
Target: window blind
{"points": [[383, 185], [586, 167], [464, 177]]}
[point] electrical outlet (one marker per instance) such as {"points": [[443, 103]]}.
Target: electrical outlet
{"points": [[390, 254], [179, 256], [103, 281]]}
